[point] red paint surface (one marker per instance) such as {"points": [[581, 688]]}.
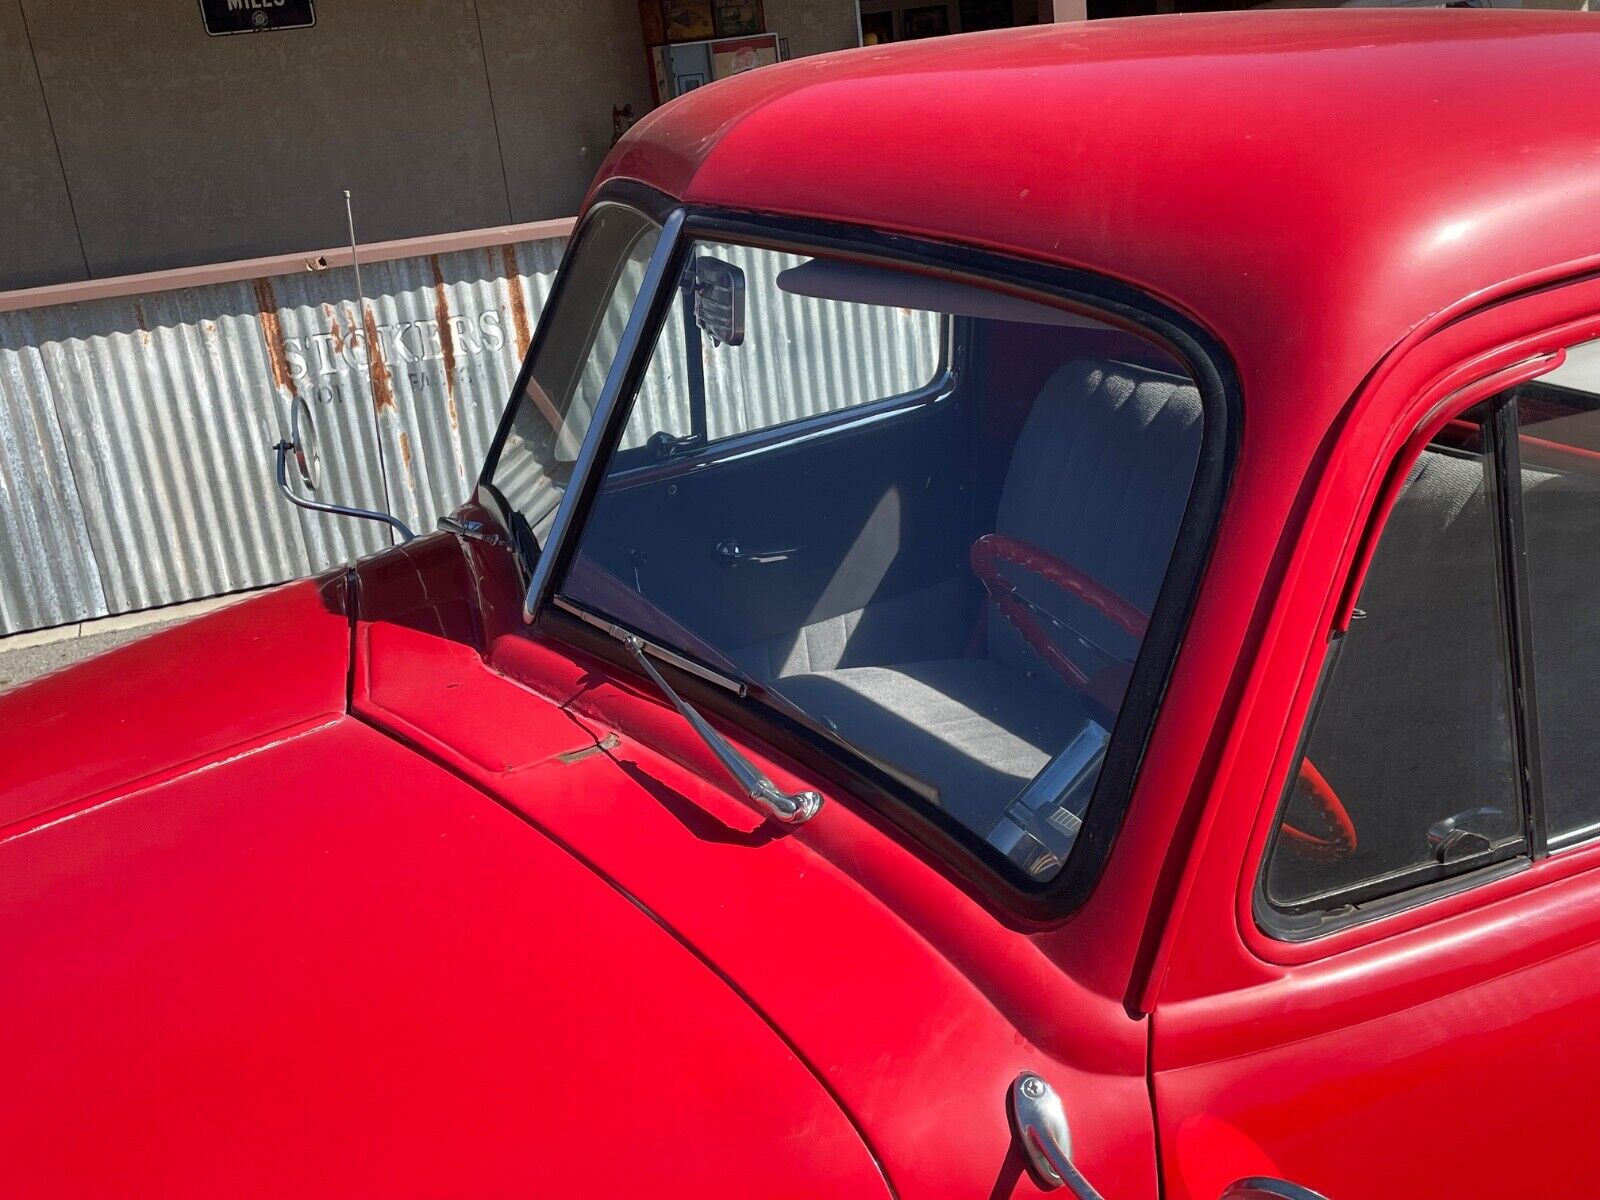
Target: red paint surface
{"points": [[915, 1004], [1333, 1061], [413, 952], [260, 667], [328, 968], [1311, 185]]}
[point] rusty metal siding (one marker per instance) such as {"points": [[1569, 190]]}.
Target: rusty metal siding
{"points": [[802, 357], [137, 421], [812, 356], [136, 431], [47, 568]]}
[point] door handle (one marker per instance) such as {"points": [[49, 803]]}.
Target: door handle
{"points": [[730, 554], [1041, 1126], [1260, 1188]]}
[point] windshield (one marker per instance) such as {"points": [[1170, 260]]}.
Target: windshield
{"points": [[932, 519]]}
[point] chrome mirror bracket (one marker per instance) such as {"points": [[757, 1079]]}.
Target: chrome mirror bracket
{"points": [[302, 444], [1041, 1127]]}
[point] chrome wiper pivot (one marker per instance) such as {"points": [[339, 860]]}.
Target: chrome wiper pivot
{"points": [[790, 808]]}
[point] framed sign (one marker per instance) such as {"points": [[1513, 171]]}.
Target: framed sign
{"points": [[256, 16], [689, 20], [738, 55], [739, 18]]}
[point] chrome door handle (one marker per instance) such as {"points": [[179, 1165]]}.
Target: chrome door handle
{"points": [[729, 553], [1260, 1188], [1041, 1127]]}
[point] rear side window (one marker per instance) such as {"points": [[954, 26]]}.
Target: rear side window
{"points": [[1452, 730], [1409, 771], [699, 391]]}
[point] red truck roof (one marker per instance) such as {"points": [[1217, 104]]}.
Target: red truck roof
{"points": [[1310, 185]]}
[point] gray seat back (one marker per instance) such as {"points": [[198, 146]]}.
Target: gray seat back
{"points": [[1100, 478]]}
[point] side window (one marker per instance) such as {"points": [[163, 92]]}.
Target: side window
{"points": [[606, 268], [1559, 419], [1408, 772], [1452, 727], [699, 391]]}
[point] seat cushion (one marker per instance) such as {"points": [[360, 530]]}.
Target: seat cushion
{"points": [[973, 730], [1100, 479]]}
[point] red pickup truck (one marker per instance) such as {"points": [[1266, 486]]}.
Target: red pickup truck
{"points": [[1030, 625]]}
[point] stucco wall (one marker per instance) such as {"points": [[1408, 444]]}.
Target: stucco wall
{"points": [[178, 148], [184, 148], [38, 243], [557, 67], [813, 26]]}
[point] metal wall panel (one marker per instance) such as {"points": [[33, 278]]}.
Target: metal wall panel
{"points": [[136, 431]]}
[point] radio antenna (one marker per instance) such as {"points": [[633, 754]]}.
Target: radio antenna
{"points": [[369, 337]]}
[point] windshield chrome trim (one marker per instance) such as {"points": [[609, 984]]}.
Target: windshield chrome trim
{"points": [[597, 438]]}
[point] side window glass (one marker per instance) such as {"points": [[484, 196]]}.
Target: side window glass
{"points": [[698, 390], [606, 270], [1408, 772], [1559, 419]]}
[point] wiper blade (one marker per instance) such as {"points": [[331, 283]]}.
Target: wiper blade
{"points": [[724, 676], [792, 808]]}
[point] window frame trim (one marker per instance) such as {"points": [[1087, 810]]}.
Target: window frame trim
{"points": [[960, 853], [953, 361], [648, 202]]}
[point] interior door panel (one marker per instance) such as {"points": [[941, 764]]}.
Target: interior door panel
{"points": [[872, 508]]}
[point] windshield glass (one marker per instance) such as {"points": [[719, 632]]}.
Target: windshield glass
{"points": [[931, 518]]}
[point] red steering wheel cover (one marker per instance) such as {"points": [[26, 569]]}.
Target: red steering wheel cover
{"points": [[994, 548], [1334, 836]]}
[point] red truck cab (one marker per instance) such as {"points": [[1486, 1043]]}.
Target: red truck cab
{"points": [[1027, 628]]}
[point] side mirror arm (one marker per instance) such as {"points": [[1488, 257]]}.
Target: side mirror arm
{"points": [[283, 449]]}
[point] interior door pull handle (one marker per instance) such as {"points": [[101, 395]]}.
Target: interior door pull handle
{"points": [[730, 554]]}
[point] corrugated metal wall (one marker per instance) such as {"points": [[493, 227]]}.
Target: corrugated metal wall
{"points": [[136, 432]]}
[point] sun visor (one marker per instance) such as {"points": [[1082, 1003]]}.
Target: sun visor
{"points": [[862, 283]]}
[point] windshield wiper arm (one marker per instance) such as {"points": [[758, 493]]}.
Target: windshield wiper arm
{"points": [[791, 808]]}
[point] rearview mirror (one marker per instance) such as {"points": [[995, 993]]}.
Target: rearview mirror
{"points": [[719, 300]]}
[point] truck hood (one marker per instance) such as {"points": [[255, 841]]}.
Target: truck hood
{"points": [[254, 946], [257, 670], [321, 965]]}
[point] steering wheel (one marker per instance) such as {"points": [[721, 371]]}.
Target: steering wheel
{"points": [[1324, 829]]}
